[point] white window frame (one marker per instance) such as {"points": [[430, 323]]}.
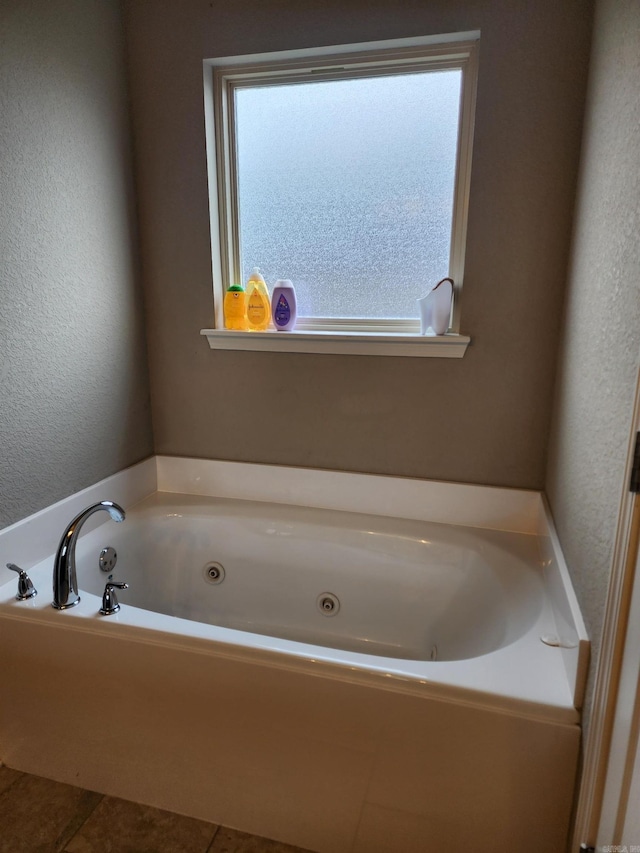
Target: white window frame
{"points": [[223, 76]]}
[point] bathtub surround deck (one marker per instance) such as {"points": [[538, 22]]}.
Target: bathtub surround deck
{"points": [[333, 752]]}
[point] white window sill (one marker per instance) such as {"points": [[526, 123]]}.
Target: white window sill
{"points": [[450, 345]]}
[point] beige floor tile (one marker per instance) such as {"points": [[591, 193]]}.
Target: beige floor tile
{"points": [[118, 826], [232, 841], [39, 816], [8, 777]]}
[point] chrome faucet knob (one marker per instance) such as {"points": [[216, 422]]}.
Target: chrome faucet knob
{"points": [[26, 589], [109, 600]]}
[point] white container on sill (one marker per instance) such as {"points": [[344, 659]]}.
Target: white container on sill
{"points": [[435, 308]]}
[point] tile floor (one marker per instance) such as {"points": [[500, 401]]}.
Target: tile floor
{"points": [[41, 816]]}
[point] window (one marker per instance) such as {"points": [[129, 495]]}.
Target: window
{"points": [[346, 172]]}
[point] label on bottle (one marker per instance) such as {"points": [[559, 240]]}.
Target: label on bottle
{"points": [[234, 305], [257, 309], [282, 314]]}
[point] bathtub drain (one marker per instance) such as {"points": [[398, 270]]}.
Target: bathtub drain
{"points": [[328, 604]]}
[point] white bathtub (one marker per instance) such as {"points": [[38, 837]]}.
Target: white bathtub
{"points": [[423, 712]]}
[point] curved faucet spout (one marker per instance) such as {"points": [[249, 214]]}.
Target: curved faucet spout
{"points": [[65, 581]]}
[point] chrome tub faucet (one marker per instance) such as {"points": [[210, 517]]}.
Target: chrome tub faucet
{"points": [[65, 581]]}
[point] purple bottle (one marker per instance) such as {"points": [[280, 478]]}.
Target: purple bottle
{"points": [[283, 305]]}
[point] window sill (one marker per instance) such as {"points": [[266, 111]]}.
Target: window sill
{"points": [[450, 345]]}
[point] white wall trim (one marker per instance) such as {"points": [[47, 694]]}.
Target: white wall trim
{"points": [[340, 343], [607, 676], [624, 739]]}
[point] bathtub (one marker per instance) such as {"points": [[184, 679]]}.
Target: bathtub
{"points": [[335, 679]]}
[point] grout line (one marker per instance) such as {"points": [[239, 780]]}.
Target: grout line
{"points": [[6, 790], [62, 842], [373, 758], [213, 838]]}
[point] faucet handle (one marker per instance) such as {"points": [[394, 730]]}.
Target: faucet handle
{"points": [[26, 589], [109, 600]]}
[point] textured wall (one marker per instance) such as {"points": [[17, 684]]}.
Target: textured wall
{"points": [[600, 357], [73, 377], [481, 419]]}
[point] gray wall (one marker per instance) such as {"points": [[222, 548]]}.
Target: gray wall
{"points": [[74, 398], [482, 419], [600, 356]]}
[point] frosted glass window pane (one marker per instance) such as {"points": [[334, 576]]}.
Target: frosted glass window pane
{"points": [[346, 188]]}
